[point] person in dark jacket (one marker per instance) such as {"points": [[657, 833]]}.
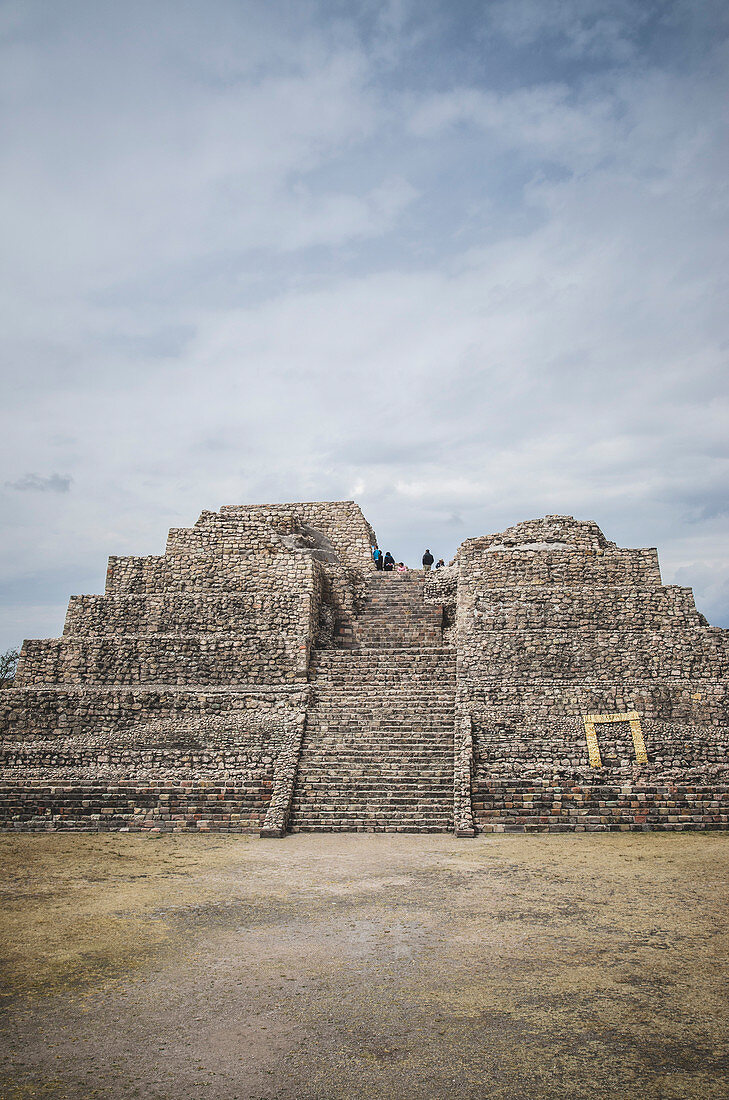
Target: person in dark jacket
{"points": [[440, 564], [389, 562], [428, 560]]}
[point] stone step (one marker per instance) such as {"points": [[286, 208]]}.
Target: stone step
{"points": [[311, 797], [338, 696], [359, 734], [352, 793], [391, 815], [358, 703], [355, 738], [374, 770], [382, 809], [394, 693], [367, 817], [334, 726], [384, 706], [322, 785], [393, 676], [388, 632], [388, 666], [399, 617], [394, 672], [399, 706], [348, 803], [360, 730], [388, 709], [383, 813], [342, 760], [406, 657], [399, 611], [364, 814], [387, 676], [444, 651], [355, 660], [384, 673], [350, 770], [397, 614], [321, 767], [373, 796], [351, 738], [398, 696], [367, 826], [380, 702], [345, 733], [398, 687], [316, 771], [347, 754], [383, 783], [343, 752], [360, 726], [371, 672]]}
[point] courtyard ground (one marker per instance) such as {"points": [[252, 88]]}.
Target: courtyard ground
{"points": [[346, 966]]}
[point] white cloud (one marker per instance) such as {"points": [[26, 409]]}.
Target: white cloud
{"points": [[54, 483], [543, 123]]}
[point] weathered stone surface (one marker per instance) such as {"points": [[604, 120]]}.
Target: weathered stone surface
{"points": [[551, 623], [261, 675]]}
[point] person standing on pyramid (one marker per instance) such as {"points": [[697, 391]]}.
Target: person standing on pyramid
{"points": [[428, 560]]}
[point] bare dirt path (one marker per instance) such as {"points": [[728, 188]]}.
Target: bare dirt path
{"points": [[342, 966]]}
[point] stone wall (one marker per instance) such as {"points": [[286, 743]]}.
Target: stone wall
{"points": [[275, 568], [193, 612], [237, 598], [174, 659], [597, 806], [552, 623], [342, 521], [174, 700], [144, 759]]}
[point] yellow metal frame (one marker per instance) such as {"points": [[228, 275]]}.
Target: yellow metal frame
{"points": [[632, 717]]}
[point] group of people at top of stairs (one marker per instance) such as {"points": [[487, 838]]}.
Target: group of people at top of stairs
{"points": [[387, 564]]}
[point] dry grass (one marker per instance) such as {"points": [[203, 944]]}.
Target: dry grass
{"points": [[338, 966]]}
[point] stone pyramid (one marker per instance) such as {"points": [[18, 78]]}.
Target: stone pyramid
{"points": [[261, 675]]}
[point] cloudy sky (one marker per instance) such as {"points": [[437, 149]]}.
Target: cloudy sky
{"points": [[461, 260]]}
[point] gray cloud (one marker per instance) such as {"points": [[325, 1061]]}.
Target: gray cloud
{"points": [[54, 483]]}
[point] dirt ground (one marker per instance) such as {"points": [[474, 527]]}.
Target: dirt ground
{"points": [[341, 966]]}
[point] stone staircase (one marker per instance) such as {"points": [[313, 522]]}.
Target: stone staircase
{"points": [[378, 748], [395, 615]]}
